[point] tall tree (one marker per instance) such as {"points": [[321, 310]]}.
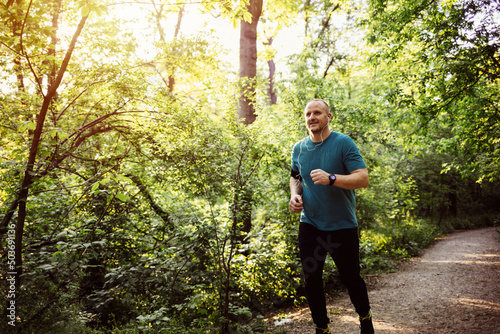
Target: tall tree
{"points": [[159, 10], [20, 201], [55, 134], [248, 62], [276, 15]]}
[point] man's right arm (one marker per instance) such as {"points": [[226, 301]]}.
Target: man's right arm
{"points": [[296, 195]]}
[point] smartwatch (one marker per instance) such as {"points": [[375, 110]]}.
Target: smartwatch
{"points": [[332, 179]]}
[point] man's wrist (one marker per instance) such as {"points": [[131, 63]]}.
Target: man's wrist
{"points": [[332, 179]]}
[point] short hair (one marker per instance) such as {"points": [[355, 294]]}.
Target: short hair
{"points": [[320, 100]]}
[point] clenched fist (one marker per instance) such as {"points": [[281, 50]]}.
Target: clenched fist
{"points": [[296, 204], [319, 176]]}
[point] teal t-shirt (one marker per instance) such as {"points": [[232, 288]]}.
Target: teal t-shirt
{"points": [[327, 207]]}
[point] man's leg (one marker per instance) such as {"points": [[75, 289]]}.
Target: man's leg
{"points": [[312, 256], [346, 258]]}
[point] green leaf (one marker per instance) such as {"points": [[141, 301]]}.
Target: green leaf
{"points": [[95, 186], [62, 234], [46, 266], [247, 16], [122, 197], [85, 11], [101, 10], [27, 126]]}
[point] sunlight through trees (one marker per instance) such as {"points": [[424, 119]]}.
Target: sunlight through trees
{"points": [[134, 199]]}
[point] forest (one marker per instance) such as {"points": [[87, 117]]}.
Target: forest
{"points": [[145, 150]]}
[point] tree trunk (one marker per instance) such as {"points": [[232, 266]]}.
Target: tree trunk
{"points": [[272, 69], [30, 166], [248, 63], [170, 81], [51, 76], [171, 78]]}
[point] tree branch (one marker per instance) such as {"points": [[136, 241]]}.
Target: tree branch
{"points": [[156, 208], [326, 24], [67, 57], [37, 79]]}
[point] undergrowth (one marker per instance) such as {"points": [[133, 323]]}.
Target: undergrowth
{"points": [[381, 250]]}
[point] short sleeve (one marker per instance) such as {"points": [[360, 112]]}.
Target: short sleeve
{"points": [[294, 164], [352, 157]]}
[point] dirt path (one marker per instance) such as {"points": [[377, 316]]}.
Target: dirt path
{"points": [[454, 287]]}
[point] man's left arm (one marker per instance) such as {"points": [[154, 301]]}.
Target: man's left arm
{"points": [[355, 180]]}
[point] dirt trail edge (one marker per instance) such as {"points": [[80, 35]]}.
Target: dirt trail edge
{"points": [[453, 287]]}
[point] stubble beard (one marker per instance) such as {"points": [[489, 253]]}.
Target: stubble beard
{"points": [[317, 129]]}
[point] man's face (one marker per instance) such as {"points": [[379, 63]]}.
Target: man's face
{"points": [[316, 114]]}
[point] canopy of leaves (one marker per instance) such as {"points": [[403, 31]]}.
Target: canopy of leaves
{"points": [[150, 207]]}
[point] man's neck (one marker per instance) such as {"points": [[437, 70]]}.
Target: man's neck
{"points": [[317, 137]]}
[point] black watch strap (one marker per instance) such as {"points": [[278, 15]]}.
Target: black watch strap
{"points": [[332, 179]]}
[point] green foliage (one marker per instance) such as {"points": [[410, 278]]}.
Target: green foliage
{"points": [[394, 242], [154, 210], [444, 71]]}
